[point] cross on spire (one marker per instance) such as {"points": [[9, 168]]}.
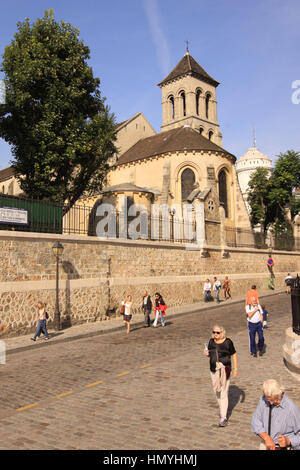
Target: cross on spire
{"points": [[187, 46]]}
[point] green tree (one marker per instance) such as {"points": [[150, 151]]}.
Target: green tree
{"points": [[61, 132], [269, 197], [285, 178], [258, 190]]}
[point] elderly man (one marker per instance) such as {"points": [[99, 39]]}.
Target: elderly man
{"points": [[276, 419]]}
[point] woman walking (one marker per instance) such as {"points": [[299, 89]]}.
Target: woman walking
{"points": [[226, 287], [220, 350], [41, 322], [127, 313], [207, 291], [160, 308]]}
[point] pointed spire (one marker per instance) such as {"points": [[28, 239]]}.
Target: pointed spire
{"points": [[254, 137]]}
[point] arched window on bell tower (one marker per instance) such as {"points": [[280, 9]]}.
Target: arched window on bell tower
{"points": [[187, 183], [198, 93], [183, 103], [210, 135], [207, 104], [171, 106], [223, 190]]}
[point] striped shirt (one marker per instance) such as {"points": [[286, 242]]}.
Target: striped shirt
{"points": [[285, 420]]}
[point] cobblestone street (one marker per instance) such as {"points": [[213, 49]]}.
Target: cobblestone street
{"points": [[147, 390]]}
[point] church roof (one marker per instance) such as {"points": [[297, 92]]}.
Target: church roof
{"points": [[6, 173], [188, 66], [127, 187], [178, 139]]}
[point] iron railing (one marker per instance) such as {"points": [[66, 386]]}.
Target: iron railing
{"points": [[236, 237], [81, 219]]}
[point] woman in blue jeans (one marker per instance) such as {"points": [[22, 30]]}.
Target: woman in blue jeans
{"points": [[159, 309], [41, 325]]}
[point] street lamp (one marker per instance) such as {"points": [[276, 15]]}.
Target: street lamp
{"points": [[57, 251], [172, 212]]}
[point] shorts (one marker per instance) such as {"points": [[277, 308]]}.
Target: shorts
{"points": [[127, 317]]}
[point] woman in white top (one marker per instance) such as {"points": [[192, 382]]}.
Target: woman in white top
{"points": [[127, 313], [41, 322], [207, 291]]}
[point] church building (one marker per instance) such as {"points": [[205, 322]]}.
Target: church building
{"points": [[184, 163], [186, 160]]}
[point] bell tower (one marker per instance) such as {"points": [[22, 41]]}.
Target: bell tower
{"points": [[189, 99]]}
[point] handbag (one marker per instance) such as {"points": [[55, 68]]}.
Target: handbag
{"points": [[122, 311]]}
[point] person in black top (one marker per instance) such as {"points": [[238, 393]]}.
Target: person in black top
{"points": [[220, 350], [147, 308]]}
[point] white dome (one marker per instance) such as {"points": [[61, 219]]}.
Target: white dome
{"points": [[254, 158]]}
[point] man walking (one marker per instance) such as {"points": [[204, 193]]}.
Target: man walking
{"points": [[217, 288], [255, 319], [147, 307]]}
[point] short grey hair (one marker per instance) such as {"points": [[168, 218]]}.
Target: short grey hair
{"points": [[271, 388], [223, 331]]}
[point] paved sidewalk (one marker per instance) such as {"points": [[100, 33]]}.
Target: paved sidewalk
{"points": [[24, 343]]}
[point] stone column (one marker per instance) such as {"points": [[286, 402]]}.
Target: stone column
{"points": [[291, 352]]}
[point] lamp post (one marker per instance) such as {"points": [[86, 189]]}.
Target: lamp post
{"points": [[57, 251], [172, 212]]}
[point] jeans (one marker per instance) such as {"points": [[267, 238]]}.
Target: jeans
{"points": [[253, 329], [157, 314], [217, 295], [207, 295], [147, 313], [41, 327]]}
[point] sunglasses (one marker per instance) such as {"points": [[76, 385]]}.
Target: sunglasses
{"points": [[216, 332]]}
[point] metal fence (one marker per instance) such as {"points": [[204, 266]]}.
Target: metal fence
{"points": [[236, 237], [30, 215], [46, 217], [116, 224]]}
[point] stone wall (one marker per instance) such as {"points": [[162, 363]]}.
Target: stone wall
{"points": [[96, 275]]}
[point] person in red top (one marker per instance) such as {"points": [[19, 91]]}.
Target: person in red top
{"points": [[160, 309], [250, 294]]}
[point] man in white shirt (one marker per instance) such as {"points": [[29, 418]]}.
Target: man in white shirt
{"points": [[255, 318], [217, 288]]}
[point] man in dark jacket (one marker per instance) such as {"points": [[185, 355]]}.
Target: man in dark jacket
{"points": [[147, 307]]}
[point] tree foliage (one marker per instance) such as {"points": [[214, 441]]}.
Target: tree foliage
{"points": [[61, 132], [269, 198]]}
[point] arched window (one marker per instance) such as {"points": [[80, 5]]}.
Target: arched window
{"points": [[207, 98], [223, 196], [182, 94], [201, 130], [172, 106], [198, 93], [11, 188], [187, 183], [210, 134]]}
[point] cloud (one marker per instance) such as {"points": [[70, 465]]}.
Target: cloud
{"points": [[158, 35]]}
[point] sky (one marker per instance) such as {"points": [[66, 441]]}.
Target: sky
{"points": [[252, 47]]}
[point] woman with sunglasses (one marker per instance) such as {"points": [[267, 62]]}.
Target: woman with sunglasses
{"points": [[220, 350]]}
